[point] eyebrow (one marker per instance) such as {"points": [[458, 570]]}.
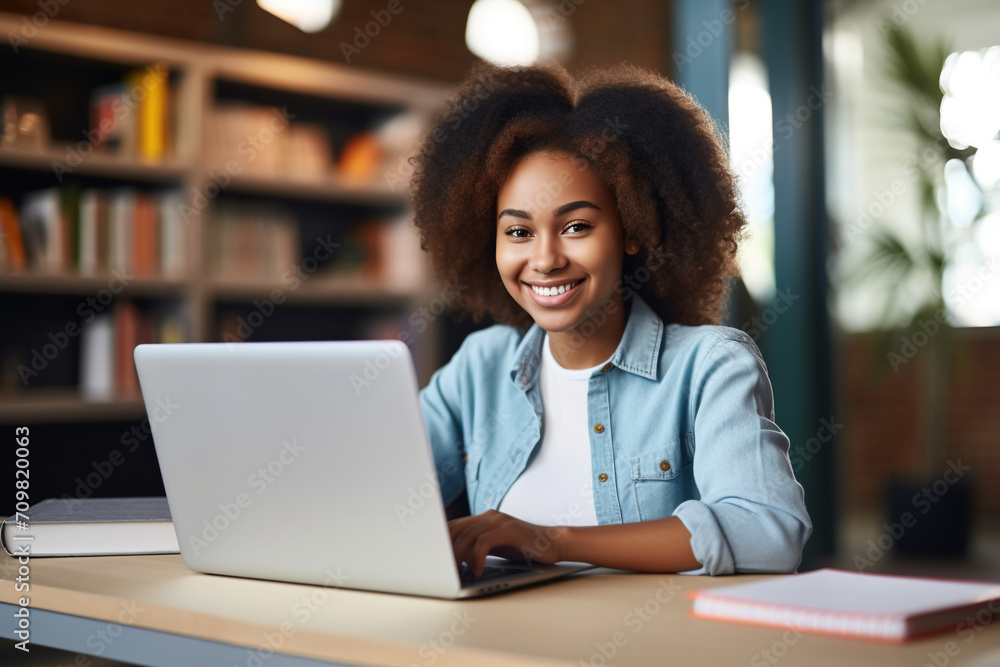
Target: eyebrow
{"points": [[562, 210]]}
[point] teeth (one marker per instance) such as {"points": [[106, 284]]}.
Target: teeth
{"points": [[552, 291]]}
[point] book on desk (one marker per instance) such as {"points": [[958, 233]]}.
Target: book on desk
{"points": [[838, 603], [91, 527]]}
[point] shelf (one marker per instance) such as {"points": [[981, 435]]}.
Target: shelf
{"points": [[65, 63], [47, 283], [95, 164], [319, 189], [63, 405], [333, 291]]}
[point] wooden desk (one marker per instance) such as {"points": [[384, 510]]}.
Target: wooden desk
{"points": [[153, 610]]}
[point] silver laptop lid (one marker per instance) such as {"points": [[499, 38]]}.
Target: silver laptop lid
{"points": [[304, 461]]}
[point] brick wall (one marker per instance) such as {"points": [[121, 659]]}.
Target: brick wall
{"points": [[425, 39], [883, 412]]}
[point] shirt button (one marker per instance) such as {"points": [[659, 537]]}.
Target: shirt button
{"points": [[607, 367], [466, 458], [603, 477], [598, 428], [489, 501], [664, 465]]}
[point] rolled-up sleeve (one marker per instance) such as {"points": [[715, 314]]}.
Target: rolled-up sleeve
{"points": [[750, 515], [440, 403]]}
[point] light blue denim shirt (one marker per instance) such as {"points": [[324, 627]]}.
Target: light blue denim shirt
{"points": [[682, 424]]}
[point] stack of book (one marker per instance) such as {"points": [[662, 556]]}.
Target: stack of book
{"points": [[91, 232]]}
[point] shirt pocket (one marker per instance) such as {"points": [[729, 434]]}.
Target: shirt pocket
{"points": [[658, 481]]}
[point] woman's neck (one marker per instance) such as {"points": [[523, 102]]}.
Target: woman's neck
{"points": [[594, 340]]}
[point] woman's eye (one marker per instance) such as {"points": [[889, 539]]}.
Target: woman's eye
{"points": [[517, 233], [578, 227]]}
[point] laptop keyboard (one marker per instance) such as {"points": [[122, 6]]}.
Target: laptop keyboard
{"points": [[490, 572]]}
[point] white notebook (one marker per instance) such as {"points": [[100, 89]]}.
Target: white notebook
{"points": [[850, 604]]}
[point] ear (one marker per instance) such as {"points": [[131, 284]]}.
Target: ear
{"points": [[631, 246]]}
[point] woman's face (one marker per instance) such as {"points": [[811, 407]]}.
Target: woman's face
{"points": [[560, 241]]}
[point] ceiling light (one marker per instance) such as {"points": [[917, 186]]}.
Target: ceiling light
{"points": [[306, 15]]}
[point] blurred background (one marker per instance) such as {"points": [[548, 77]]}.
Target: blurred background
{"points": [[236, 170]]}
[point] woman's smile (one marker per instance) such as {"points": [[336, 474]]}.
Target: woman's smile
{"points": [[560, 245]]}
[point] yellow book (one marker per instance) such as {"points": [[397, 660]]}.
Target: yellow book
{"points": [[151, 88]]}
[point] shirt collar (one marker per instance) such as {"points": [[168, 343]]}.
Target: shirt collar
{"points": [[638, 351]]}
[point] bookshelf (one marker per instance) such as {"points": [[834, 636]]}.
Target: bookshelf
{"points": [[282, 155]]}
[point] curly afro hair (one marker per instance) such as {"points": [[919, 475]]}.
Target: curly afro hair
{"points": [[646, 138]]}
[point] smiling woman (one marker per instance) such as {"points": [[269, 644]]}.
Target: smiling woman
{"points": [[626, 428], [562, 265]]}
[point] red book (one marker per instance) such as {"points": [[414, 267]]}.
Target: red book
{"points": [[126, 338], [145, 235]]}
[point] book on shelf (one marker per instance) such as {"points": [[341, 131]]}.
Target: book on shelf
{"points": [[91, 527], [133, 117], [263, 140], [97, 356], [44, 230], [108, 339], [850, 604], [12, 257], [249, 241], [95, 231]]}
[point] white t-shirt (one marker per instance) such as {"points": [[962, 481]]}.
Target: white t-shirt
{"points": [[556, 489]]}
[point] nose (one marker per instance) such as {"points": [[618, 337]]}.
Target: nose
{"points": [[546, 254]]}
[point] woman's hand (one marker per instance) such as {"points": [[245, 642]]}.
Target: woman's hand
{"points": [[499, 534]]}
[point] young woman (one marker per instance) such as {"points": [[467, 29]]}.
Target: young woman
{"points": [[607, 418]]}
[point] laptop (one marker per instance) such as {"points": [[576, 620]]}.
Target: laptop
{"points": [[307, 462]]}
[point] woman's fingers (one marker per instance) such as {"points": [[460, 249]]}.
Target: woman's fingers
{"points": [[465, 532], [475, 537]]}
